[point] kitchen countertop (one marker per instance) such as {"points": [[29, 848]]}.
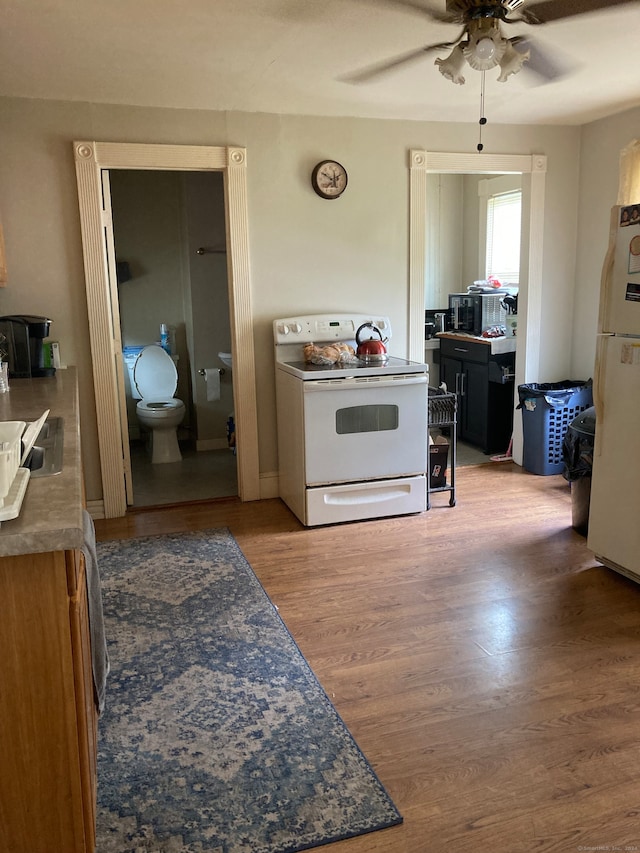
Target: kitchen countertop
{"points": [[498, 345], [51, 514]]}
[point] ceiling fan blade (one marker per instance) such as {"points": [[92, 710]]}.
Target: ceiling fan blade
{"points": [[365, 74], [540, 62], [554, 10]]}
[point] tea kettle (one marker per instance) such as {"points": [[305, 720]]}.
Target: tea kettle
{"points": [[370, 349]]}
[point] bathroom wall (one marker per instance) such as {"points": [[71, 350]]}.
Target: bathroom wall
{"points": [[208, 309]]}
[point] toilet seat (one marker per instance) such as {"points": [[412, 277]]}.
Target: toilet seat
{"points": [[159, 409], [155, 375]]}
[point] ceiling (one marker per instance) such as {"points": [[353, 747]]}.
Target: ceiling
{"points": [[286, 56]]}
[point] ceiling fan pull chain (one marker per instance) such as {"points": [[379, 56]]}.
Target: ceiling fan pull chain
{"points": [[483, 120]]}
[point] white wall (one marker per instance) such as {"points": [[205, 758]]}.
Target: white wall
{"points": [[306, 254], [471, 269], [601, 143], [454, 225], [445, 238]]}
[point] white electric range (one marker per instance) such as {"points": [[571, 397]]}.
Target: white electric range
{"points": [[352, 437]]}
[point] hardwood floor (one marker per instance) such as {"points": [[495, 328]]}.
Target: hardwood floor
{"points": [[486, 664]]}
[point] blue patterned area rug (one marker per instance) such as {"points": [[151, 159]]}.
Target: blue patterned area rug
{"points": [[216, 736]]}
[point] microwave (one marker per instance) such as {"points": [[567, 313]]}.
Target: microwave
{"points": [[474, 313]]}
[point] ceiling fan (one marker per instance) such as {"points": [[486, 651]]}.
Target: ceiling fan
{"points": [[482, 44]]}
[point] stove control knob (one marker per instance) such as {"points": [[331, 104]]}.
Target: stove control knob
{"points": [[283, 329], [296, 327]]}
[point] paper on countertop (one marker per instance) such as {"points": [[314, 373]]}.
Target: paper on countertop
{"points": [[30, 434]]}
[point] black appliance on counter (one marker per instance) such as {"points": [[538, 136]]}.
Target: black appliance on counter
{"points": [[436, 320], [473, 313], [24, 334]]}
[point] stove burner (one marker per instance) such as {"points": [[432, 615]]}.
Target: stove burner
{"points": [[380, 358]]}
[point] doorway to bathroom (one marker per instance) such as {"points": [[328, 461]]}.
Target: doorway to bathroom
{"points": [[170, 246]]}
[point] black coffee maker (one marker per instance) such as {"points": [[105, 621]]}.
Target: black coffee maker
{"points": [[22, 345]]}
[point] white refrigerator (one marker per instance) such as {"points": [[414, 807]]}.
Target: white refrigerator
{"points": [[614, 516]]}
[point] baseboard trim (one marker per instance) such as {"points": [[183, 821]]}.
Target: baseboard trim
{"points": [[269, 486], [212, 444], [95, 509]]}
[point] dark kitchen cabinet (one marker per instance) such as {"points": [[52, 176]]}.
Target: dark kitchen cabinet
{"points": [[484, 384]]}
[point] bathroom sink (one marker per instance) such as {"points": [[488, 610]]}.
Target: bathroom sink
{"points": [[226, 359], [45, 458]]}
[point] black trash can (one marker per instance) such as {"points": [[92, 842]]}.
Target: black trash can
{"points": [[547, 410], [577, 452]]}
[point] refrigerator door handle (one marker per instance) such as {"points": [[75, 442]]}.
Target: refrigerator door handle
{"points": [[598, 381]]}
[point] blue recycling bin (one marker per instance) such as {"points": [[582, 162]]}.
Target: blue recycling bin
{"points": [[548, 408]]}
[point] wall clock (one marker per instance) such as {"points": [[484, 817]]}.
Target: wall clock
{"points": [[329, 179]]}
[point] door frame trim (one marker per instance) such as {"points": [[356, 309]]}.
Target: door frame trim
{"points": [[90, 159]]}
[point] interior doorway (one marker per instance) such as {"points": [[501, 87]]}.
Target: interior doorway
{"points": [[532, 169], [93, 161], [170, 247]]}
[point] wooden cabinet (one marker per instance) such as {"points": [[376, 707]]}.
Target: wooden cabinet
{"points": [[484, 383], [48, 716]]}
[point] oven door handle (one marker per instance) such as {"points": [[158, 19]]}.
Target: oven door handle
{"points": [[348, 383]]}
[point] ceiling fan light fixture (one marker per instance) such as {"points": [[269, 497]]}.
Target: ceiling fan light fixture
{"points": [[485, 53], [452, 65], [511, 62], [486, 46]]}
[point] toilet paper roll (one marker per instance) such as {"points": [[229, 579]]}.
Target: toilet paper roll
{"points": [[212, 378]]}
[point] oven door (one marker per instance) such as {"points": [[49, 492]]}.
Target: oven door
{"points": [[365, 428]]}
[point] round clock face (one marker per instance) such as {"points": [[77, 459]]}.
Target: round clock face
{"points": [[329, 179]]}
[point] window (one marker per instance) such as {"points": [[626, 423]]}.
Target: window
{"points": [[371, 418], [503, 237]]}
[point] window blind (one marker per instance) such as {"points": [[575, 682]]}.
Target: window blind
{"points": [[503, 236]]}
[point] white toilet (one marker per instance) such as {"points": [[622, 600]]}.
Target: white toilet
{"points": [[154, 380]]}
